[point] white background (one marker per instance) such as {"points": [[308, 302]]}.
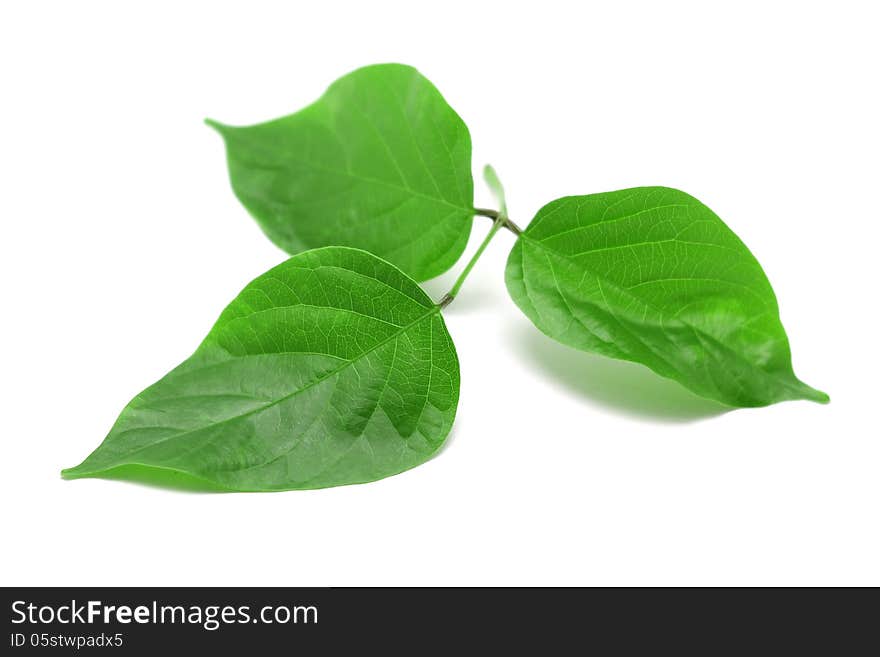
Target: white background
{"points": [[122, 242]]}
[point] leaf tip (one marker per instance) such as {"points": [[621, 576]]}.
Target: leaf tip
{"points": [[812, 394], [80, 471], [70, 473], [821, 397], [216, 125]]}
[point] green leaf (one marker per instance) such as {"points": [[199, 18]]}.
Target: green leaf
{"points": [[494, 183], [652, 275], [332, 368], [380, 162]]}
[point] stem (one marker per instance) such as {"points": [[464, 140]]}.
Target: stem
{"points": [[495, 215], [496, 226]]}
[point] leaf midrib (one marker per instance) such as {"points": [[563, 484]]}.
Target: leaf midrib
{"points": [[357, 177]]}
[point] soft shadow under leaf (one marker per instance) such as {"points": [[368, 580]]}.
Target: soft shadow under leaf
{"points": [[625, 387]]}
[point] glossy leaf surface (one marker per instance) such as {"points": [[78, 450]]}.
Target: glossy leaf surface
{"points": [[332, 368], [380, 162], [652, 275]]}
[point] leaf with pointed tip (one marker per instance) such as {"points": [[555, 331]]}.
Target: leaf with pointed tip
{"points": [[380, 162], [497, 189], [332, 368], [652, 275]]}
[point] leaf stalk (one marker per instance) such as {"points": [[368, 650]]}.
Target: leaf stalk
{"points": [[494, 215], [500, 220]]}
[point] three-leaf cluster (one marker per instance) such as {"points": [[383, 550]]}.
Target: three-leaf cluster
{"points": [[335, 367]]}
